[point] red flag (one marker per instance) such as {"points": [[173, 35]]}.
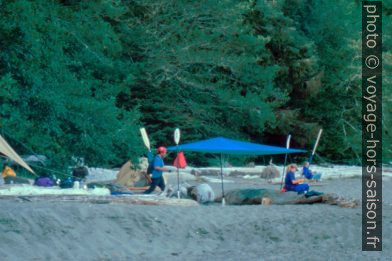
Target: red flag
{"points": [[180, 161]]}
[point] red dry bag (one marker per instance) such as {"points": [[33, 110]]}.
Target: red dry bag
{"points": [[180, 161]]}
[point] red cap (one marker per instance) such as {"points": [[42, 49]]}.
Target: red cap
{"points": [[161, 149]]}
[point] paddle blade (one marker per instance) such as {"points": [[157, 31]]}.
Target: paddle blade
{"points": [[317, 141], [288, 142], [177, 136], [146, 141]]}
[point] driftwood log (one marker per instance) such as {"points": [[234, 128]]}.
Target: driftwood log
{"points": [[314, 182], [111, 185], [267, 197], [16, 180], [269, 172], [129, 199]]}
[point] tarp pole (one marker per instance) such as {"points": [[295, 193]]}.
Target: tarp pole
{"points": [[223, 191], [177, 140], [178, 178], [284, 167], [285, 160]]}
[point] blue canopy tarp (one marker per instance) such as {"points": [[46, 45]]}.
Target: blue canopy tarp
{"points": [[221, 145]]}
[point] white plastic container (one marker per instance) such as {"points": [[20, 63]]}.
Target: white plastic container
{"points": [[76, 185]]}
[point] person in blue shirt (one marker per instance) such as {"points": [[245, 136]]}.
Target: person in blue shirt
{"points": [[157, 178], [292, 184], [309, 174]]}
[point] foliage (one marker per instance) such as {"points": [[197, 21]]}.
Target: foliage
{"points": [[78, 78], [59, 83]]}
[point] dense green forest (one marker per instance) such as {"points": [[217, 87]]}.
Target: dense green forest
{"points": [[79, 78]]}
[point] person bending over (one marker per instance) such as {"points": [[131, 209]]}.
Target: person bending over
{"points": [[157, 178], [292, 184]]}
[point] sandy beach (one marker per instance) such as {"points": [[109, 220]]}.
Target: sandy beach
{"points": [[117, 231]]}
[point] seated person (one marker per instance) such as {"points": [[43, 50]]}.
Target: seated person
{"points": [[292, 184], [7, 171], [10, 177], [309, 174]]}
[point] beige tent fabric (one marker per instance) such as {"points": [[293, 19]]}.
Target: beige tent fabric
{"points": [[6, 149], [129, 177]]}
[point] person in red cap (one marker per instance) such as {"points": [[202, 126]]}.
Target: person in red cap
{"points": [[157, 178]]}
